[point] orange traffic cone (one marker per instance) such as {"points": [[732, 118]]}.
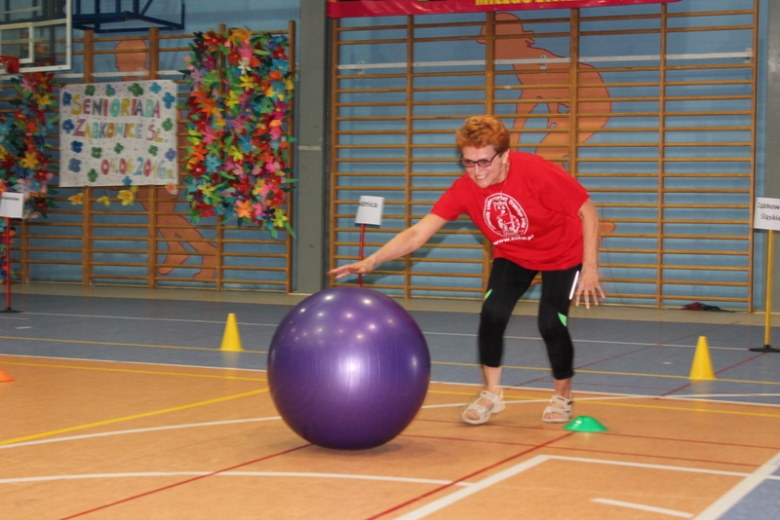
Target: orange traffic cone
{"points": [[5, 378]]}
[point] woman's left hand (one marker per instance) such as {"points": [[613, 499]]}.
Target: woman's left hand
{"points": [[588, 287]]}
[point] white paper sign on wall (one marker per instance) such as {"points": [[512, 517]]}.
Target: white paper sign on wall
{"points": [[12, 205], [370, 210], [118, 134], [767, 214]]}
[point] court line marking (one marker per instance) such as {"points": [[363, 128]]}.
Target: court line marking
{"points": [[680, 397], [607, 395], [704, 410], [184, 482], [131, 417], [479, 471], [135, 371], [738, 492], [220, 322], [138, 430], [655, 407], [642, 507], [12, 443], [767, 473], [272, 418], [233, 474], [451, 363], [596, 341], [580, 371], [452, 498], [525, 400], [95, 360], [458, 334], [111, 344]]}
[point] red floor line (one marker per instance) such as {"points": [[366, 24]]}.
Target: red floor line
{"points": [[645, 348], [635, 351], [604, 452], [653, 346], [605, 434], [464, 478], [200, 477], [651, 456], [633, 387], [460, 439], [716, 373], [740, 363]]}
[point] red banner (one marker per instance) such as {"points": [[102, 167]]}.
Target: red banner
{"points": [[352, 8]]}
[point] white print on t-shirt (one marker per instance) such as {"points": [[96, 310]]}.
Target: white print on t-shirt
{"points": [[506, 217]]}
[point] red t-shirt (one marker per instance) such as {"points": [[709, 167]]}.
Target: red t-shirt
{"points": [[531, 218]]}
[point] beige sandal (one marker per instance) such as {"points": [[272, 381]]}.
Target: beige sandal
{"points": [[484, 412], [565, 411]]}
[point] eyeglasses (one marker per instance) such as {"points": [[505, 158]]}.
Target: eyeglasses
{"points": [[482, 163]]}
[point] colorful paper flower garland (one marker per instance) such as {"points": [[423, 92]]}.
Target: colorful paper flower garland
{"points": [[239, 154], [24, 163]]}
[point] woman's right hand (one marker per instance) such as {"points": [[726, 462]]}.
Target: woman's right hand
{"points": [[362, 267]]}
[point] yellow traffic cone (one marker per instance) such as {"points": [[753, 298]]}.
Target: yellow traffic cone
{"points": [[701, 369], [231, 340]]}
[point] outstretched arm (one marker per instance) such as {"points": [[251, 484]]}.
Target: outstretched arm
{"points": [[589, 285], [408, 240]]}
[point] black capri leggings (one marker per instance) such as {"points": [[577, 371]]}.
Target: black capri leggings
{"points": [[508, 282]]}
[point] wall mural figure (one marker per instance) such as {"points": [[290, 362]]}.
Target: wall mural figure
{"points": [[535, 76], [169, 224]]}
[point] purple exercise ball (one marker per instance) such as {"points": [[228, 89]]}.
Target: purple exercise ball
{"points": [[348, 368]]}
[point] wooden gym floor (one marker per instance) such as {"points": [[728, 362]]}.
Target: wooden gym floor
{"points": [[124, 406]]}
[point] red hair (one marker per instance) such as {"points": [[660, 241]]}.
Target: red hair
{"points": [[482, 131]]}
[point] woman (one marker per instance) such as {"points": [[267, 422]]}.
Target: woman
{"points": [[538, 218]]}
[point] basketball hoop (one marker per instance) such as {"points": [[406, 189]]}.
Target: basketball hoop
{"points": [[8, 65]]}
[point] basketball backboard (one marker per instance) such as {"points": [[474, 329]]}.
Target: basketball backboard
{"points": [[38, 32]]}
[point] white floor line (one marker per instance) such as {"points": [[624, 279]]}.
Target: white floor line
{"points": [[274, 418], [452, 498], [139, 430], [656, 466], [58, 358], [738, 492], [143, 318], [642, 507], [469, 335], [231, 474], [594, 341]]}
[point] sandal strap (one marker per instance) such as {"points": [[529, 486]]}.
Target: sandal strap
{"points": [[552, 409], [483, 411], [493, 398], [480, 409], [566, 403], [565, 412]]}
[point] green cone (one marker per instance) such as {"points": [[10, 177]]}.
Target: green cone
{"points": [[584, 423]]}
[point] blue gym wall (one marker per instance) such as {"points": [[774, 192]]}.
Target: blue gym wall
{"points": [[265, 15]]}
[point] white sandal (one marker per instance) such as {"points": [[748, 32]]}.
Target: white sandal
{"points": [[484, 412], [565, 412]]}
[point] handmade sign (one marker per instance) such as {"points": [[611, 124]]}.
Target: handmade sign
{"points": [[118, 134]]}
